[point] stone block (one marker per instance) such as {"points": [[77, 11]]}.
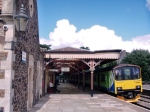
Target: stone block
{"points": [[3, 55], [7, 7], [2, 74], [2, 93]]}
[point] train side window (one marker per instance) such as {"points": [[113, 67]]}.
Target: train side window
{"points": [[118, 75], [136, 72]]}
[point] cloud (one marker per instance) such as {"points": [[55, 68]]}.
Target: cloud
{"points": [[44, 41], [96, 38], [148, 4]]}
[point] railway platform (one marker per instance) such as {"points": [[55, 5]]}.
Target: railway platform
{"points": [[72, 99], [146, 87]]}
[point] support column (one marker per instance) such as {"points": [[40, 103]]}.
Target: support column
{"points": [[92, 68], [83, 81], [91, 83], [98, 80], [71, 79], [78, 80], [92, 65], [75, 80]]}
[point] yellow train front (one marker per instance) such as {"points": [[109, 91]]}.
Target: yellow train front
{"points": [[123, 80], [128, 82]]}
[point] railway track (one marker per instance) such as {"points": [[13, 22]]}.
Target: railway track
{"points": [[144, 101]]}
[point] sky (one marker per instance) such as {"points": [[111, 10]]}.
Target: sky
{"points": [[97, 24]]}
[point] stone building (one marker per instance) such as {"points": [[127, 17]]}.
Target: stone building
{"points": [[21, 61]]}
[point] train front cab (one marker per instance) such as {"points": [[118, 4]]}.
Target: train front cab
{"points": [[128, 83]]}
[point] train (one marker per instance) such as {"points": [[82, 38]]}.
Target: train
{"points": [[123, 80]]}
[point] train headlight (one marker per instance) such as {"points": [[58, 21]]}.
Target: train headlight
{"points": [[138, 87], [119, 88]]}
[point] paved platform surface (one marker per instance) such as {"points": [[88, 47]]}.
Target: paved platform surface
{"points": [[147, 87], [72, 99]]}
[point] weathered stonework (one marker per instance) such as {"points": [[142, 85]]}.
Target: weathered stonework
{"points": [[2, 93], [2, 33], [2, 74], [3, 56], [29, 44], [7, 6]]}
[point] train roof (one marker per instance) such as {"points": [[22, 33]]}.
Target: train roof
{"points": [[126, 65], [112, 67]]}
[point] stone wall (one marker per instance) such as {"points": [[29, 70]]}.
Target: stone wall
{"points": [[29, 42]]}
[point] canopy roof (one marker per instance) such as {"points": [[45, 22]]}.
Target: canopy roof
{"points": [[74, 53], [78, 59]]}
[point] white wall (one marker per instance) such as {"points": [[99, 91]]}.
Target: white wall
{"points": [[6, 65]]}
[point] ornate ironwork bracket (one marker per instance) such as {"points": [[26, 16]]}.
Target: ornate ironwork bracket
{"points": [[92, 64]]}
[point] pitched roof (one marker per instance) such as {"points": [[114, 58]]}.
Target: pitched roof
{"points": [[69, 49]]}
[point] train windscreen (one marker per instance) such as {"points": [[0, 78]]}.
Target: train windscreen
{"points": [[127, 73]]}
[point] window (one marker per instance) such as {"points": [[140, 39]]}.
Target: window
{"points": [[136, 72], [127, 73], [118, 73]]}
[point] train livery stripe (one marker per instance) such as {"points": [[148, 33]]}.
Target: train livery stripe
{"points": [[111, 82]]}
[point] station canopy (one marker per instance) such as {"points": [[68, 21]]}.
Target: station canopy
{"points": [[79, 59]]}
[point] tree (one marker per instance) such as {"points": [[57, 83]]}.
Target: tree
{"points": [[86, 48], [113, 63], [140, 58], [45, 46]]}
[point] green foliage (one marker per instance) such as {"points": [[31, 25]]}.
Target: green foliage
{"points": [[140, 58], [113, 63], [86, 48], [45, 46]]}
